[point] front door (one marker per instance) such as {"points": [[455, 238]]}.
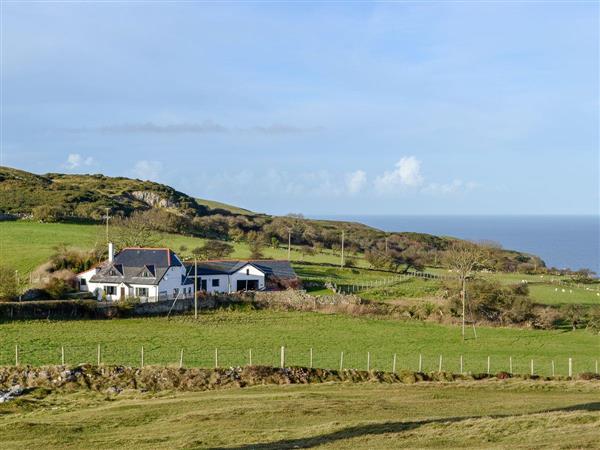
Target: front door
{"points": [[122, 293]]}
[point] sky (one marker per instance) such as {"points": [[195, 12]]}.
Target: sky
{"points": [[314, 107]]}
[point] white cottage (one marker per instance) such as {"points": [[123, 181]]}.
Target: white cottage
{"points": [[226, 276], [150, 274]]}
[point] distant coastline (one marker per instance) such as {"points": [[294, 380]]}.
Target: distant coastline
{"points": [[561, 241]]}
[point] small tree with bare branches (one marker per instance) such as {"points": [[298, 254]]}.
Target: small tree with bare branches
{"points": [[465, 258]]}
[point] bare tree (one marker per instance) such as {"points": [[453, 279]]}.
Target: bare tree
{"points": [[465, 258], [133, 231]]}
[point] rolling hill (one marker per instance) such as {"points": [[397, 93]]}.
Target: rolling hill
{"points": [[56, 197]]}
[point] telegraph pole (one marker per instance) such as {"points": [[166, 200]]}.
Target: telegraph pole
{"points": [[386, 245], [342, 261], [289, 244], [195, 288]]}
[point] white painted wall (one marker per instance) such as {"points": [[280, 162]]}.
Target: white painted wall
{"points": [[86, 276], [223, 283], [171, 281], [248, 272], [228, 283]]}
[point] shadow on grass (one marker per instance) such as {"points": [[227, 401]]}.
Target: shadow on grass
{"points": [[388, 427]]}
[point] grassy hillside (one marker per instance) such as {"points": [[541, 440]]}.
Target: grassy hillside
{"points": [[513, 414], [234, 333], [76, 198], [214, 206], [88, 196], [25, 245]]}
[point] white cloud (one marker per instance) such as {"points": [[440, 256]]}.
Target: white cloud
{"points": [[356, 181], [147, 170], [75, 160], [450, 188], [407, 173]]}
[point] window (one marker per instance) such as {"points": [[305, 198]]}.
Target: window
{"points": [[247, 271], [145, 273], [83, 282], [141, 292], [216, 282], [110, 290]]}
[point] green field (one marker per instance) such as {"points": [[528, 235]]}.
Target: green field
{"points": [[550, 294], [26, 245], [234, 333], [494, 414]]}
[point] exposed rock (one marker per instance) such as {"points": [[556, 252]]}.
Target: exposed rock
{"points": [[11, 393], [152, 199]]}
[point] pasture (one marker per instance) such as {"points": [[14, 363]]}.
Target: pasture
{"points": [[234, 333], [25, 245], [490, 414]]}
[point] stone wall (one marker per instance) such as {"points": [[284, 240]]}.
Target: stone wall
{"points": [[74, 309]]}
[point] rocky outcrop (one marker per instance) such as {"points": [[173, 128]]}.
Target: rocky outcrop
{"points": [[153, 199]]}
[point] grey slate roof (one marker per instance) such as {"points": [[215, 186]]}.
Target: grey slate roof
{"points": [[271, 268], [129, 265]]}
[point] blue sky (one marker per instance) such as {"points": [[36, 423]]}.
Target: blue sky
{"points": [[319, 108]]}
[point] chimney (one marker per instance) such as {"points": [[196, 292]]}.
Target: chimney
{"points": [[111, 252]]}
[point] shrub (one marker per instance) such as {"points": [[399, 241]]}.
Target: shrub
{"points": [[75, 260], [548, 318], [57, 288], [9, 284], [491, 301], [593, 319], [48, 213], [574, 314]]}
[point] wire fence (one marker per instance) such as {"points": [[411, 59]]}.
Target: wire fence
{"points": [[317, 357]]}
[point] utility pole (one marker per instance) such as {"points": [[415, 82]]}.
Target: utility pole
{"points": [[386, 245], [289, 244], [342, 261], [107, 217], [195, 288], [463, 294]]}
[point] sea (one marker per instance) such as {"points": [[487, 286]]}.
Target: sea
{"points": [[561, 241]]}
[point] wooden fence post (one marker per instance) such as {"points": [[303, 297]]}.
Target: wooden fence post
{"points": [[282, 357], [420, 363], [532, 367], [341, 361], [16, 354], [510, 370], [488, 365], [368, 361], [142, 357], [461, 365], [311, 358], [440, 364], [570, 367], [394, 364], [553, 368], [181, 359], [216, 358], [62, 356], [250, 357]]}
